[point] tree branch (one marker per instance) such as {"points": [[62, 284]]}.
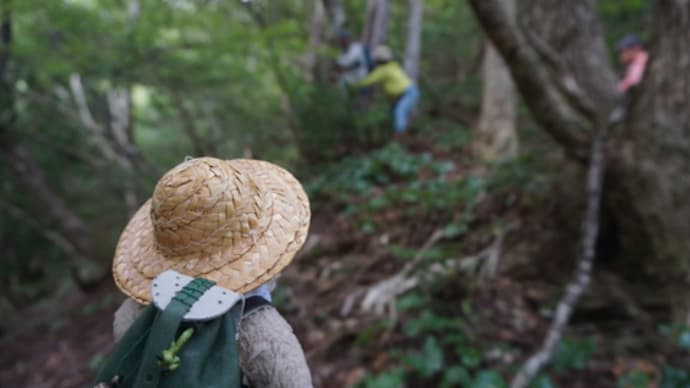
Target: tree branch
{"points": [[581, 279], [566, 82], [532, 79]]}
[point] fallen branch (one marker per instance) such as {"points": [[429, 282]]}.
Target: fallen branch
{"points": [[383, 293], [381, 297], [582, 276]]}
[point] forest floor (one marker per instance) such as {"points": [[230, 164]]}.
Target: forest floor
{"points": [[59, 344]]}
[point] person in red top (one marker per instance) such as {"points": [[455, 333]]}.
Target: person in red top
{"points": [[632, 54]]}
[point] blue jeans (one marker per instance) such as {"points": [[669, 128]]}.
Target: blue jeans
{"points": [[402, 108]]}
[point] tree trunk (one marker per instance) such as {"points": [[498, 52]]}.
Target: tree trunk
{"points": [[652, 151], [316, 34], [649, 177], [570, 33], [413, 49], [496, 137], [336, 14], [376, 26], [542, 92]]}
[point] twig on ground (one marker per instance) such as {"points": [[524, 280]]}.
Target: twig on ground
{"points": [[581, 279], [381, 297], [383, 293]]}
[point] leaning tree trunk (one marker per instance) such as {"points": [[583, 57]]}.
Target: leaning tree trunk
{"points": [[652, 163], [496, 137], [413, 48]]}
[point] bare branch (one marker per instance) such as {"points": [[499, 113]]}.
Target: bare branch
{"points": [[83, 110], [581, 279], [566, 82]]}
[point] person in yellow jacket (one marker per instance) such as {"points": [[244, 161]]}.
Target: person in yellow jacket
{"points": [[396, 84]]}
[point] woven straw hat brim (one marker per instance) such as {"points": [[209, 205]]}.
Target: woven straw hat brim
{"points": [[239, 267]]}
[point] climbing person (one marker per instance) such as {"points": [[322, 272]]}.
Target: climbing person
{"points": [[236, 224], [353, 63], [396, 84], [632, 55]]}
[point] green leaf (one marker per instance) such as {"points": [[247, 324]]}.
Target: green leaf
{"points": [[573, 354], [388, 379], [488, 379], [542, 382], [471, 357], [455, 376], [684, 340], [433, 356], [635, 379], [673, 378]]}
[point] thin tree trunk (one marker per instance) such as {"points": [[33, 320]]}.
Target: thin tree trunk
{"points": [[120, 124], [316, 33], [583, 273], [376, 26], [413, 49], [336, 15], [496, 136]]}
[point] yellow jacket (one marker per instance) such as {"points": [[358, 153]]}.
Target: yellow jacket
{"points": [[392, 78]]}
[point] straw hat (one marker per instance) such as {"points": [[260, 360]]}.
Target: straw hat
{"points": [[382, 53], [236, 222]]}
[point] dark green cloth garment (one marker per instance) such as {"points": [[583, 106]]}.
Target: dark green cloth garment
{"points": [[209, 359]]}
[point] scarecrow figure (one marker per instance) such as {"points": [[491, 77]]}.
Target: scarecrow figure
{"points": [[238, 223]]}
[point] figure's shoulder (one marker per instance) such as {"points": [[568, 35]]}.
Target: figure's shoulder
{"points": [[267, 324]]}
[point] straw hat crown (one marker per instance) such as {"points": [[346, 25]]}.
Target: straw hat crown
{"points": [[204, 203], [237, 222]]}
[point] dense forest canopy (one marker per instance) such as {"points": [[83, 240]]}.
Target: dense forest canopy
{"points": [[478, 205]]}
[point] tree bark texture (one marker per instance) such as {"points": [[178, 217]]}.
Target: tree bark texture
{"points": [[652, 164], [573, 32], [413, 48], [336, 15], [376, 26], [533, 79], [649, 175], [496, 136]]}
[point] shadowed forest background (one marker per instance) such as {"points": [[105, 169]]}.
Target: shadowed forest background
{"points": [[435, 260]]}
